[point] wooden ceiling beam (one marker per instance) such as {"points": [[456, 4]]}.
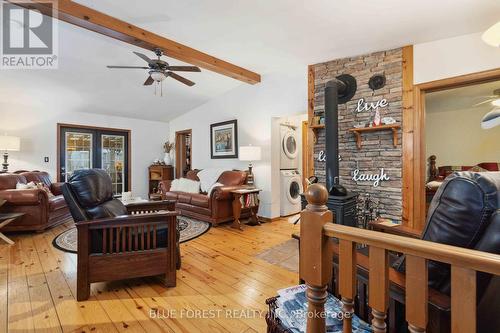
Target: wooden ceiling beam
{"points": [[90, 19]]}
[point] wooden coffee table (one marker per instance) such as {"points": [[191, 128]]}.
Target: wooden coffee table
{"points": [[238, 206], [6, 219]]}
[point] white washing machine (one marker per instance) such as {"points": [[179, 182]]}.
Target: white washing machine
{"points": [[289, 149], [291, 188]]}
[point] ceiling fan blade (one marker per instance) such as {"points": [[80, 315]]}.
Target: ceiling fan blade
{"points": [[149, 81], [484, 102], [181, 79], [184, 68], [145, 58], [127, 67]]}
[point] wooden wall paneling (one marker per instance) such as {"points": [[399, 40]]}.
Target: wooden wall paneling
{"points": [[408, 137], [310, 115]]}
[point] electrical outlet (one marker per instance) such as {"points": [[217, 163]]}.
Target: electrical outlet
{"points": [[46, 159]]}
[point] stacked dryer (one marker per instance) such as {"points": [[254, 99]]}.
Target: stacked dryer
{"points": [[291, 181]]}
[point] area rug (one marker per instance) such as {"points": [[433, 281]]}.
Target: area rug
{"points": [[285, 255], [189, 229]]}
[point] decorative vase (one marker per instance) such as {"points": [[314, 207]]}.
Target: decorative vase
{"points": [[167, 159]]}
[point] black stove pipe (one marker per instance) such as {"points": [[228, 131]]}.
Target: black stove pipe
{"points": [[332, 90]]}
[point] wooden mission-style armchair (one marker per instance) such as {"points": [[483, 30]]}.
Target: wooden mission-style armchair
{"points": [[117, 242]]}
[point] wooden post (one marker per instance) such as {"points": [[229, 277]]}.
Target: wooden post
{"points": [[347, 281], [82, 272], [416, 294], [378, 289], [463, 300], [316, 255]]}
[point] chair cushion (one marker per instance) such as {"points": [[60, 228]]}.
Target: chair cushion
{"points": [[200, 200], [38, 177], [184, 197], [57, 202], [91, 187], [109, 208], [8, 181]]}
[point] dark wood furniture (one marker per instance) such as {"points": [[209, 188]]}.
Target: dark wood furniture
{"points": [[240, 195], [128, 246], [6, 219], [397, 229], [158, 173]]}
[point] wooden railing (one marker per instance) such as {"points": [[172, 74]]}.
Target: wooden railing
{"points": [[316, 259]]}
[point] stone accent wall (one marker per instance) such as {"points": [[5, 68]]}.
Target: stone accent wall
{"points": [[377, 149]]}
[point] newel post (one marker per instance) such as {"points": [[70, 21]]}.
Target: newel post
{"points": [[315, 255]]}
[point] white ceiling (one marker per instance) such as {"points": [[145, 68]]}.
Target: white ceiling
{"points": [[263, 36], [461, 98]]}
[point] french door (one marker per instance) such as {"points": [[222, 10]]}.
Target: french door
{"points": [[88, 147]]}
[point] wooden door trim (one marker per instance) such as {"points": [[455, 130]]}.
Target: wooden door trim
{"points": [[305, 153], [129, 148], [414, 159], [178, 172]]}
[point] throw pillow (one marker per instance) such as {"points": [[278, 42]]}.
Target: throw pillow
{"points": [[22, 186], [44, 187], [213, 187], [185, 185]]}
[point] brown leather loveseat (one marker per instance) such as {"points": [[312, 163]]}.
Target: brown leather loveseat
{"points": [[217, 207], [41, 211]]}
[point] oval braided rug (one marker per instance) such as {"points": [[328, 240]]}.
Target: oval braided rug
{"points": [[189, 229]]}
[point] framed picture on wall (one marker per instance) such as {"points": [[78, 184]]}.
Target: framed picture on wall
{"points": [[224, 139]]}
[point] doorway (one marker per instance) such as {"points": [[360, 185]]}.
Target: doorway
{"points": [[417, 150], [183, 152], [86, 147]]}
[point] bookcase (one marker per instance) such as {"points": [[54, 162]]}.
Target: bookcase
{"points": [[156, 174]]}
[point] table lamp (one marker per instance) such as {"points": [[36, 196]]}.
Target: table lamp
{"points": [[8, 143], [251, 154]]}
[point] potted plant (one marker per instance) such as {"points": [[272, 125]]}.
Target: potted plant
{"points": [[167, 148]]}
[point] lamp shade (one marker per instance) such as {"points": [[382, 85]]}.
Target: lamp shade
{"points": [[250, 153], [492, 35], [10, 143]]}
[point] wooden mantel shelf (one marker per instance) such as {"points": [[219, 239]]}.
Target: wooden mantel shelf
{"points": [[393, 127]]}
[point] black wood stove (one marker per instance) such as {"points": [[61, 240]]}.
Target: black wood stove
{"points": [[340, 201]]}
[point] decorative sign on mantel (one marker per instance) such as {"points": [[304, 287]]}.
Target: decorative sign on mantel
{"points": [[376, 178], [370, 107]]}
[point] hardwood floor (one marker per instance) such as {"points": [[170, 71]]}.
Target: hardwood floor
{"points": [[221, 287]]}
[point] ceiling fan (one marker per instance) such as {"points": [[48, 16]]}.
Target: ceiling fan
{"points": [[159, 70], [493, 99], [492, 118]]}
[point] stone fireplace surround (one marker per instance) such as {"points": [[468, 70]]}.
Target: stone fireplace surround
{"points": [[377, 149]]}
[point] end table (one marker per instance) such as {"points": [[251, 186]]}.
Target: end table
{"points": [[6, 219], [245, 198]]}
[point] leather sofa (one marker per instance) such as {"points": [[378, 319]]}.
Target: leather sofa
{"points": [[41, 211], [214, 208]]}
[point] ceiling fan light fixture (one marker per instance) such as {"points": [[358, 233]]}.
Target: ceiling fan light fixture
{"points": [[157, 76], [496, 102], [492, 35]]}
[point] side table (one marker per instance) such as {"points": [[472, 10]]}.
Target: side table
{"points": [[6, 219], [249, 199]]}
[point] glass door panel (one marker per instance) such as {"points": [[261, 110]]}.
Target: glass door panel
{"points": [[92, 147], [113, 160], [78, 152]]}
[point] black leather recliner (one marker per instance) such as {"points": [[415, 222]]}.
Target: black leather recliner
{"points": [[117, 242], [464, 212]]}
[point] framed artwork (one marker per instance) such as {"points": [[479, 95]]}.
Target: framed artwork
{"points": [[224, 139]]}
